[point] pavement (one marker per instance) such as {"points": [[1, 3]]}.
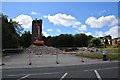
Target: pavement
{"points": [[103, 71], [22, 60]]}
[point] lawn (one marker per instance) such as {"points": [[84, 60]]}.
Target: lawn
{"points": [[115, 50], [99, 56]]}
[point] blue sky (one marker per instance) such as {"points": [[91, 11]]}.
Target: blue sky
{"points": [[92, 18]]}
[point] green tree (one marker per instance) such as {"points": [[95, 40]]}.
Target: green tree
{"points": [[65, 40], [10, 37], [95, 42], [81, 40], [49, 41], [89, 39], [26, 39]]}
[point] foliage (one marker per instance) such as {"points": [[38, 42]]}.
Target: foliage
{"points": [[95, 42], [81, 40], [67, 40], [10, 37], [26, 39]]}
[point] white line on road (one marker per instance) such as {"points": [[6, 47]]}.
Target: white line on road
{"points": [[63, 76], [45, 73], [23, 77], [33, 74], [97, 74]]}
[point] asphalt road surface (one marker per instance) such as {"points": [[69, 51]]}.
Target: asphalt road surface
{"points": [[101, 71]]}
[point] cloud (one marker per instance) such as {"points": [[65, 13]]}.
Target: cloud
{"points": [[58, 30], [34, 13], [102, 12], [82, 28], [110, 20], [88, 33], [45, 34], [99, 33], [49, 30], [63, 19], [77, 31], [24, 20], [113, 31]]}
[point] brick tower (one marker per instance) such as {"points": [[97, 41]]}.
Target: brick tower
{"points": [[37, 32]]}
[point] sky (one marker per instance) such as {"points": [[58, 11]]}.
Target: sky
{"points": [[92, 18]]}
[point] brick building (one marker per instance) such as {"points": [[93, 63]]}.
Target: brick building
{"points": [[36, 30]]}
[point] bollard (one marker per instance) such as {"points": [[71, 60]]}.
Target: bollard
{"points": [[57, 57], [82, 55], [104, 56], [30, 58], [3, 64], [30, 63]]}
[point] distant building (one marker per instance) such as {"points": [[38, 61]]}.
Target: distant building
{"points": [[106, 40], [36, 30], [115, 41]]}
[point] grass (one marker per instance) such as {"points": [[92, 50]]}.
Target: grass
{"points": [[114, 56], [99, 56], [112, 49]]}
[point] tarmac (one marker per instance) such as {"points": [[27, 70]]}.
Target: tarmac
{"points": [[27, 60]]}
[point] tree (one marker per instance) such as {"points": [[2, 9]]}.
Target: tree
{"points": [[10, 37], [80, 40], [95, 42], [16, 27], [49, 41], [26, 39], [65, 40], [89, 39]]}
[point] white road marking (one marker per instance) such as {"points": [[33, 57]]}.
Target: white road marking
{"points": [[16, 75], [33, 74], [45, 73], [7, 56], [97, 74], [101, 68], [63, 76], [23, 77]]}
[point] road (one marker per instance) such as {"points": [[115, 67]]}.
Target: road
{"points": [[99, 71]]}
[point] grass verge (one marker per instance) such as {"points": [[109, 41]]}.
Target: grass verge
{"points": [[100, 56], [112, 49]]}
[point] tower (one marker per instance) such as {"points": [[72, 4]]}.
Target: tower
{"points": [[37, 32]]}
